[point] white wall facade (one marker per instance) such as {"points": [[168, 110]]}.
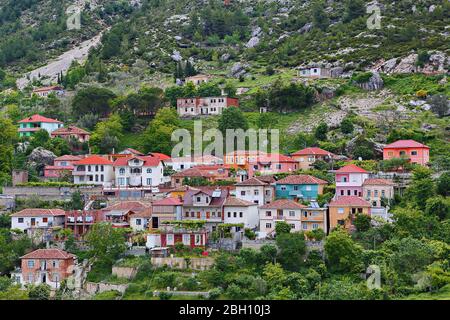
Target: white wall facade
{"points": [[93, 174], [248, 215], [24, 223]]}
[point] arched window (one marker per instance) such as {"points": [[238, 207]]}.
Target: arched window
{"points": [[122, 171], [149, 170]]}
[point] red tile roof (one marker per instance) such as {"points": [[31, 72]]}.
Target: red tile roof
{"points": [[168, 202], [351, 201], [283, 204], [69, 130], [313, 151], [128, 205], [235, 202], [133, 151], [406, 144], [39, 213], [378, 182], [68, 157], [94, 159], [145, 213], [162, 156], [252, 182], [301, 179], [149, 161], [48, 254], [351, 168], [39, 118]]}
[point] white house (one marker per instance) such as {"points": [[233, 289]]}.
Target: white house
{"points": [[257, 190], [314, 71], [241, 211], [140, 220], [139, 171], [285, 210], [95, 170], [30, 125], [43, 220], [205, 105]]}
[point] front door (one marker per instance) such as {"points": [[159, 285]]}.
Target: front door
{"points": [[33, 221], [155, 222]]}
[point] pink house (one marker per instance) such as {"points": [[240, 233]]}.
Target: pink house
{"points": [[416, 152], [271, 164], [61, 165], [349, 180]]}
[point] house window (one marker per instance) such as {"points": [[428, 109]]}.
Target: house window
{"points": [[375, 193], [369, 193], [383, 193], [30, 263], [241, 214], [198, 239], [308, 188], [55, 264], [342, 192], [55, 277], [199, 199], [234, 214], [268, 213], [283, 188], [149, 170], [291, 213], [121, 181], [256, 192], [268, 225], [30, 278], [390, 153], [292, 225], [295, 188], [170, 239], [341, 210], [242, 193], [122, 171], [414, 153], [344, 179], [20, 220], [102, 178], [229, 214], [305, 226], [102, 168], [187, 239], [278, 166], [355, 192], [149, 181], [315, 226], [138, 222], [256, 201], [186, 214]]}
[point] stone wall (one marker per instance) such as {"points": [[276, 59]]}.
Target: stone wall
{"points": [[181, 263], [124, 272], [49, 193], [93, 288]]}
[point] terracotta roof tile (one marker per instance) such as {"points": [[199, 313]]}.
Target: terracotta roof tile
{"points": [[69, 130], [39, 118], [406, 144], [301, 179], [39, 213], [349, 201], [149, 161], [378, 182], [351, 168], [94, 159], [235, 202], [312, 151], [48, 254]]}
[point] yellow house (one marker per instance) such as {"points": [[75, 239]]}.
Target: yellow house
{"points": [[343, 210]]}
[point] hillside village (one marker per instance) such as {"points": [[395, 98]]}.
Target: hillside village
{"points": [[94, 206]]}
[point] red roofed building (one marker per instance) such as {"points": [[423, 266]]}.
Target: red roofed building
{"points": [[306, 157], [210, 173], [204, 106], [71, 132], [94, 170], [138, 171], [285, 210], [61, 166], [241, 211], [271, 163], [167, 209], [300, 186], [343, 209], [415, 151], [30, 125], [349, 180], [50, 266], [46, 91]]}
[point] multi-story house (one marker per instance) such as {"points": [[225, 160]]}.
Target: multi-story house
{"points": [[49, 266], [241, 211], [30, 125], [80, 222], [299, 187], [258, 190], [170, 234], [61, 167], [40, 224], [414, 151], [94, 170], [349, 180], [141, 220], [205, 204], [314, 217], [71, 132], [375, 190], [306, 157], [204, 106], [138, 171], [167, 209], [198, 79], [342, 211], [271, 164], [285, 210]]}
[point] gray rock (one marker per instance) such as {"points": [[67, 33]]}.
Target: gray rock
{"points": [[336, 72], [375, 83], [178, 38], [40, 157], [225, 57], [306, 28], [238, 69], [176, 56], [253, 42]]}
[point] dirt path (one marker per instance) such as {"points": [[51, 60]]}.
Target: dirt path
{"points": [[62, 63]]}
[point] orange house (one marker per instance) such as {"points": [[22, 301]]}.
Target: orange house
{"points": [[343, 210], [415, 151]]}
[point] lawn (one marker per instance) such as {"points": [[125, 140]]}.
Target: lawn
{"points": [[442, 294]]}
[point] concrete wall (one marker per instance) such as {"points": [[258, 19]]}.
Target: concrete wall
{"points": [[180, 263], [93, 288], [48, 193], [124, 272]]}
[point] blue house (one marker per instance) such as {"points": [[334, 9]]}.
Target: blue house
{"points": [[295, 187]]}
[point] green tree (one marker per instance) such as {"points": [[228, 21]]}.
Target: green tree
{"points": [[92, 100], [421, 188], [342, 254], [106, 243], [347, 126], [443, 184], [107, 135], [354, 9], [232, 118], [321, 131], [40, 292], [292, 249], [320, 18], [282, 227], [362, 222], [438, 206]]}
